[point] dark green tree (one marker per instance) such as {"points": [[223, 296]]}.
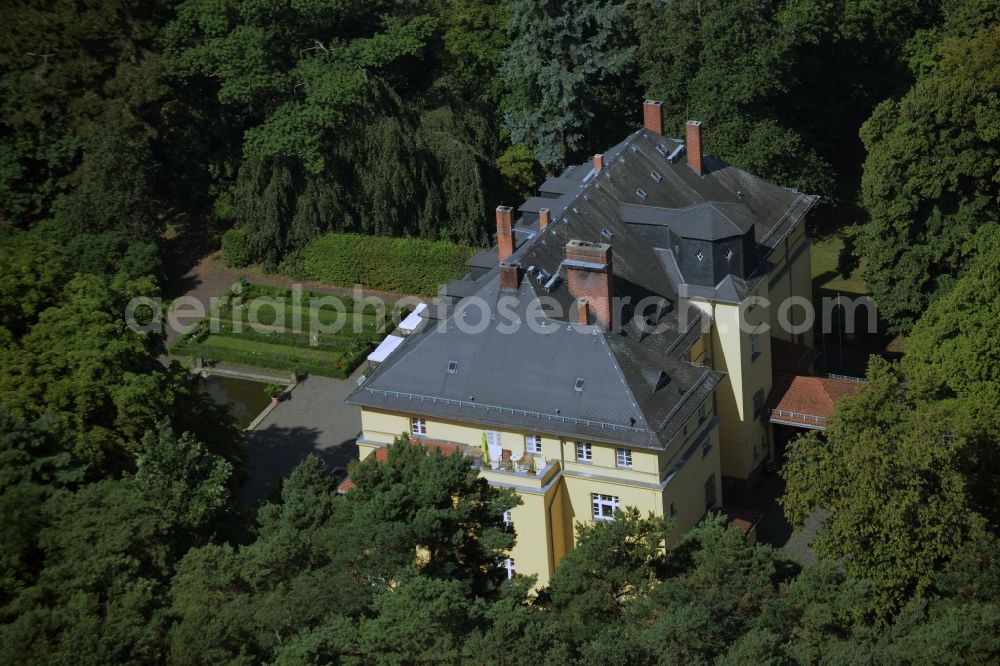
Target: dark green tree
{"points": [[104, 382], [613, 563], [560, 55], [114, 184], [906, 478], [930, 177], [66, 70], [329, 144], [416, 544], [732, 66], [105, 553], [418, 511]]}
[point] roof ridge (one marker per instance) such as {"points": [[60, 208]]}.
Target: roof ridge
{"points": [[621, 375]]}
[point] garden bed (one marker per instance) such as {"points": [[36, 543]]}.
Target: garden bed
{"points": [[280, 338]]}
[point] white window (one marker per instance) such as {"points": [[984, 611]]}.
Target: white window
{"points": [[532, 443], [418, 426], [508, 565], [728, 254], [604, 506], [507, 519], [623, 457], [700, 255], [583, 452]]}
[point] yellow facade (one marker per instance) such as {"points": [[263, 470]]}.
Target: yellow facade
{"points": [[739, 344], [559, 497]]}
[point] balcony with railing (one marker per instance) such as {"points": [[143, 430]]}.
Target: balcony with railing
{"points": [[530, 470], [511, 468]]}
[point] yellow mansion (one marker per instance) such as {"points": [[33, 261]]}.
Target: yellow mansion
{"points": [[615, 348]]}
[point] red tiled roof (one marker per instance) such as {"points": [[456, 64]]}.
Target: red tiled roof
{"points": [[446, 448], [790, 357], [806, 400], [382, 454], [745, 520]]}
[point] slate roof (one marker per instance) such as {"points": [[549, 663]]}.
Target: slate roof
{"points": [[706, 221], [638, 389]]}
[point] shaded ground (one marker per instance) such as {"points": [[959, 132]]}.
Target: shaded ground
{"points": [[773, 529], [311, 419], [836, 273]]}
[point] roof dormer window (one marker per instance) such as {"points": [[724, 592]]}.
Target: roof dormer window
{"points": [[700, 255]]}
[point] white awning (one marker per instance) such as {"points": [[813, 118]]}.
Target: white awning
{"points": [[385, 348], [412, 320]]}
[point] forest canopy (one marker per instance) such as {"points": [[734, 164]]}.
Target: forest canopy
{"points": [[292, 132]]}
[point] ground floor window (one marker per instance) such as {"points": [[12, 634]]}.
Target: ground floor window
{"points": [[418, 426], [604, 506], [508, 566]]}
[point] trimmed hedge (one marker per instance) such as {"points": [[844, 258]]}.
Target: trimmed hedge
{"points": [[401, 265], [339, 367], [338, 354], [236, 248], [330, 343]]}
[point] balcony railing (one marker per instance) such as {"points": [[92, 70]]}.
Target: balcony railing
{"points": [[515, 475], [811, 418]]}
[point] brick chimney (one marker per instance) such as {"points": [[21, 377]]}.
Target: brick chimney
{"points": [[652, 116], [589, 276], [598, 161], [544, 217], [510, 276], [583, 311], [505, 231], [695, 153]]}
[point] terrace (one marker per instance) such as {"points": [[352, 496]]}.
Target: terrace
{"points": [[804, 401], [511, 468]]}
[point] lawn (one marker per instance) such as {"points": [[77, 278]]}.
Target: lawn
{"points": [[846, 354], [826, 269], [254, 347], [289, 344]]}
